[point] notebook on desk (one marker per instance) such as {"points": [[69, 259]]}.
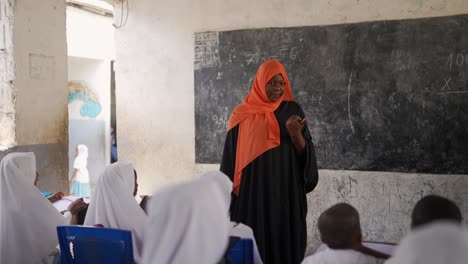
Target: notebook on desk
{"points": [[62, 205]]}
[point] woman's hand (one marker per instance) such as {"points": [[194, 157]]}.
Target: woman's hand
{"points": [[295, 124]]}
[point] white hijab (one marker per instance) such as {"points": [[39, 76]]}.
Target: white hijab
{"points": [[237, 229], [28, 220], [440, 242], [223, 182], [82, 152], [187, 224], [81, 163], [81, 160], [114, 206]]}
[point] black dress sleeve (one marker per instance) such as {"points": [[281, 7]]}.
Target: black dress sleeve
{"points": [[310, 167], [228, 161], [309, 160]]}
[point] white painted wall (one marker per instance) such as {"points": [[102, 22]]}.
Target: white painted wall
{"points": [[89, 35], [40, 55], [155, 99]]}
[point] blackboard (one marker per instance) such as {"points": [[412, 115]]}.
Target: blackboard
{"points": [[383, 96]]}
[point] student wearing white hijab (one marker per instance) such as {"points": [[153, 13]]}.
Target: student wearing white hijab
{"points": [[237, 229], [28, 221], [440, 242], [187, 224], [113, 204], [79, 182]]}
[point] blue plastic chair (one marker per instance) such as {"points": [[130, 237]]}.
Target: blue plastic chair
{"points": [[241, 252], [80, 244]]}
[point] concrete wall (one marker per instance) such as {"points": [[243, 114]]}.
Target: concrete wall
{"points": [[155, 99], [38, 75], [7, 94], [89, 35], [39, 40]]}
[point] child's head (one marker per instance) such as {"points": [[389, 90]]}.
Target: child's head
{"points": [[339, 227], [81, 150], [432, 208]]}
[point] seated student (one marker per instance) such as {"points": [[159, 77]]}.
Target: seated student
{"points": [[436, 234], [340, 230], [28, 221], [144, 202], [434, 208], [187, 224], [79, 208], [238, 230], [113, 204], [440, 242]]}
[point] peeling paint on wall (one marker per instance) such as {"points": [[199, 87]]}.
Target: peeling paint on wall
{"points": [[7, 95], [62, 128], [7, 131], [79, 92], [7, 117]]}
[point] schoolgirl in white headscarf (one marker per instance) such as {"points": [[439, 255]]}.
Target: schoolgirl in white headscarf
{"points": [[79, 181], [436, 243], [28, 221], [113, 204], [188, 223], [237, 229]]}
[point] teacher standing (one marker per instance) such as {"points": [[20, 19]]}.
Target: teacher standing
{"points": [[270, 157]]}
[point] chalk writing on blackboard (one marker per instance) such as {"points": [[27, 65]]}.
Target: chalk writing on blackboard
{"points": [[349, 103], [206, 50]]}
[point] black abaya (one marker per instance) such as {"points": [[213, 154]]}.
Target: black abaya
{"points": [[272, 195]]}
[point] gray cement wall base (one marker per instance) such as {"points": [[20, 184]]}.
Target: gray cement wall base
{"points": [[384, 200]]}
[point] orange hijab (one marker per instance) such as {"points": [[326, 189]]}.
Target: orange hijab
{"points": [[258, 128]]}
